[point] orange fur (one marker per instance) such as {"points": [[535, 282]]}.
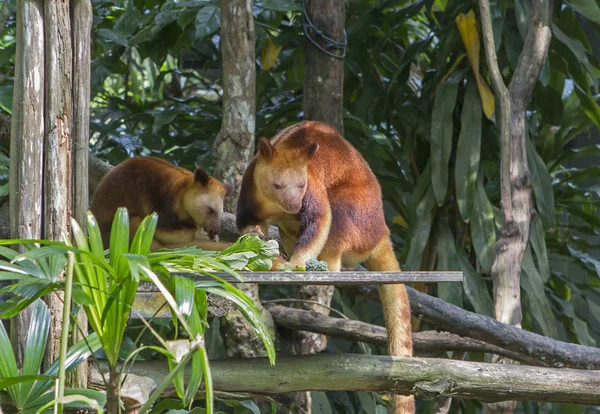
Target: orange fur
{"points": [[321, 193], [189, 205]]}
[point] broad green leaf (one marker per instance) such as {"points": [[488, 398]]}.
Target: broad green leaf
{"points": [[542, 185], [279, 5], [185, 291], [468, 151], [76, 354], [249, 404], [441, 138], [538, 242], [421, 230], [539, 306], [589, 106], [474, 286], [320, 403], [8, 363], [252, 315], [250, 253], [208, 20], [37, 337], [114, 36], [446, 261], [577, 49], [9, 382], [483, 228], [587, 8]]}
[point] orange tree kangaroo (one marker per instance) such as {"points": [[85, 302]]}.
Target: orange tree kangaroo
{"points": [[321, 193]]}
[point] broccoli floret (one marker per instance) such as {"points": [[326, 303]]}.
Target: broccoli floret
{"points": [[314, 265]]}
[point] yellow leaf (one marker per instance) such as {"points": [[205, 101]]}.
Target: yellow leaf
{"points": [[400, 221], [469, 33], [268, 55]]}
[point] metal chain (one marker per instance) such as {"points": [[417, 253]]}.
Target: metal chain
{"points": [[329, 42]]}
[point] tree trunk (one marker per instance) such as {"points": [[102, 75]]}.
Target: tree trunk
{"points": [[26, 149], [323, 101], [82, 32], [58, 141], [234, 145], [234, 148], [427, 378], [323, 73], [515, 177]]}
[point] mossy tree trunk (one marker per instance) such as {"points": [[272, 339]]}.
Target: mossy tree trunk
{"points": [[323, 101]]}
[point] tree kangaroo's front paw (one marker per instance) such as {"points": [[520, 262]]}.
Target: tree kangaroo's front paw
{"points": [[254, 231]]}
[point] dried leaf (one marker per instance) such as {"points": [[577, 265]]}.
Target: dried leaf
{"points": [[268, 55], [467, 27]]}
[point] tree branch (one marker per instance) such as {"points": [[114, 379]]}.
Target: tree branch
{"points": [[468, 324], [352, 330], [426, 378]]}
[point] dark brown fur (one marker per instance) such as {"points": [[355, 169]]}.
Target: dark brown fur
{"points": [[147, 184], [341, 218]]}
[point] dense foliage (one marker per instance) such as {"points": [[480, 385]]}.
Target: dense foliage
{"points": [[417, 104]]}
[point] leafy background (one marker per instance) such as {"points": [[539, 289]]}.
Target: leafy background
{"points": [[417, 103]]}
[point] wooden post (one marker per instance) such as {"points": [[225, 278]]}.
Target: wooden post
{"points": [[82, 31], [323, 101], [58, 143], [26, 141]]}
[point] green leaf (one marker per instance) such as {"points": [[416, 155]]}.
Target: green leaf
{"points": [[279, 5], [588, 8], [8, 363], [474, 286], [446, 261], [208, 21], [539, 306], [483, 228], [251, 253], [37, 336], [468, 151], [185, 292], [420, 230], [577, 48], [114, 36], [6, 94], [320, 403], [76, 354], [249, 404], [9, 382], [538, 242], [542, 185], [441, 138]]}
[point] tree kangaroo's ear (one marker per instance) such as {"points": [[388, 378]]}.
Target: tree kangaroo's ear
{"points": [[265, 148], [311, 151], [228, 189], [201, 176]]}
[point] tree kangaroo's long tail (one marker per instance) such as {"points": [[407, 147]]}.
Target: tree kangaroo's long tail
{"points": [[396, 309]]}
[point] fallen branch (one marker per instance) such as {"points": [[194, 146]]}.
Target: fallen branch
{"points": [[426, 378], [423, 342]]}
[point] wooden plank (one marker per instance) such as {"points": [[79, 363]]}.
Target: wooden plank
{"points": [[323, 278]]}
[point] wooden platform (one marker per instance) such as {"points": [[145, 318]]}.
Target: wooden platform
{"points": [[148, 300], [344, 278]]}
